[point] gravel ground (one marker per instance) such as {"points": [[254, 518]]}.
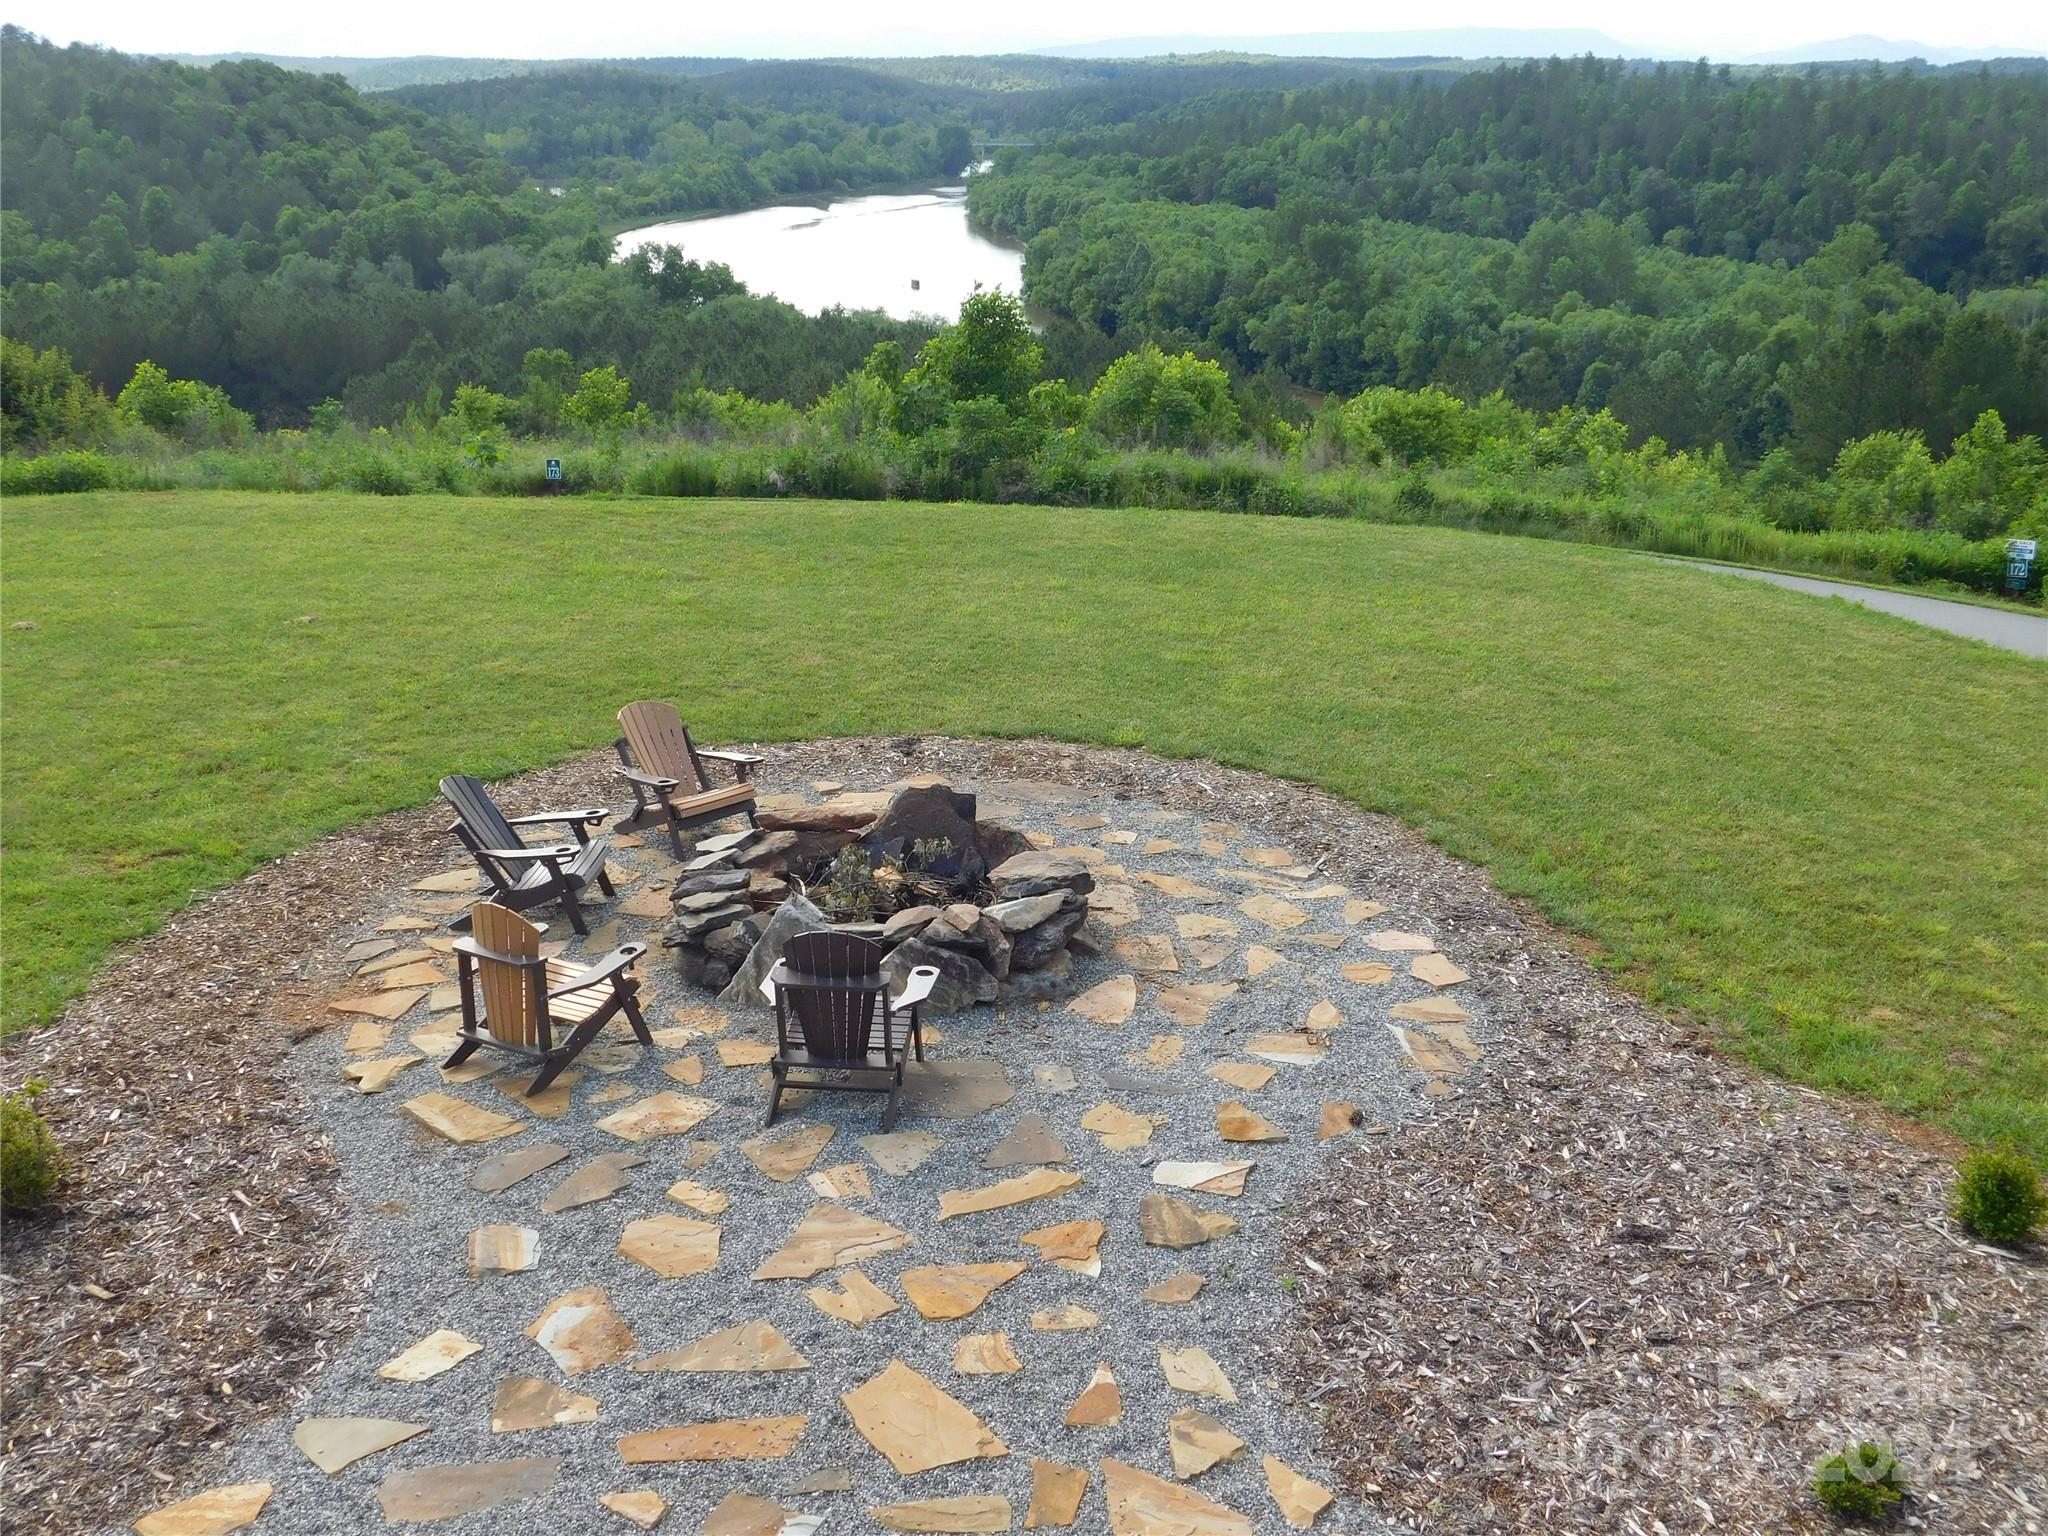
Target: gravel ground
{"points": [[410, 1207]]}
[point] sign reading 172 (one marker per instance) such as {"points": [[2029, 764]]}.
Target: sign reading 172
{"points": [[2019, 562]]}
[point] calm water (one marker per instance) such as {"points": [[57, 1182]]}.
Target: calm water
{"points": [[863, 253]]}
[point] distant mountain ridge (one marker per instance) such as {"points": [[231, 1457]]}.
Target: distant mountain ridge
{"points": [[1441, 43], [1519, 43], [1430, 42]]}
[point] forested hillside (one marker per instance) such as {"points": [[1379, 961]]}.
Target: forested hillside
{"points": [[1758, 261], [282, 237], [658, 144]]}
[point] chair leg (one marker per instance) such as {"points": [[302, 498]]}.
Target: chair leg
{"points": [[604, 881], [889, 1111], [675, 834], [552, 1067], [463, 1052], [574, 909], [774, 1098], [916, 1034], [631, 1006]]}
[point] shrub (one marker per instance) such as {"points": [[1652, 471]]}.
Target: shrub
{"points": [[374, 474], [1416, 496], [31, 1163], [1999, 1197], [53, 474], [1861, 1482]]}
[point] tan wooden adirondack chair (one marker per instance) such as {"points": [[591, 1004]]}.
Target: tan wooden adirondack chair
{"points": [[515, 1001], [665, 770]]}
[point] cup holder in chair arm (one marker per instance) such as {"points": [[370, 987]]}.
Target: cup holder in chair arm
{"points": [[917, 986]]}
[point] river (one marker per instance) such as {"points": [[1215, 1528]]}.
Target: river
{"points": [[907, 253]]}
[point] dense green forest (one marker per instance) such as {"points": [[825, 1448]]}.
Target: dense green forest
{"points": [[1759, 262]]}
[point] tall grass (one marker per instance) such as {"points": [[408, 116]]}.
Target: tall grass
{"points": [[791, 461]]}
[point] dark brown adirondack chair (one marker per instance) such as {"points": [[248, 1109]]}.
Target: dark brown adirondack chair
{"points": [[513, 1000], [518, 876], [665, 770], [835, 1022]]}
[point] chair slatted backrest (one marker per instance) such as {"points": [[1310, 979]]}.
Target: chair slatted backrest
{"points": [[837, 1021], [514, 996], [479, 812], [660, 743]]}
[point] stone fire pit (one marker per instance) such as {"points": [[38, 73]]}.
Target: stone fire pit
{"points": [[915, 870]]}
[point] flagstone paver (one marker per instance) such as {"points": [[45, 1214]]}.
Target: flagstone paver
{"points": [[966, 1513], [526, 1403], [956, 1290], [985, 1354], [443, 1492], [762, 1439], [1300, 1500], [331, 1444], [1197, 1442], [858, 1300], [1056, 1494], [671, 1246], [1039, 1184], [916, 1423], [581, 1331], [1046, 1266], [1194, 1369], [1143, 1505], [441, 1350], [212, 1513], [755, 1346], [641, 1506], [1101, 1403]]}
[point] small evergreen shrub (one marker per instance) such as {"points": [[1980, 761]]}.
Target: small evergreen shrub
{"points": [[1860, 1482], [30, 1161], [1416, 495], [1999, 1197]]}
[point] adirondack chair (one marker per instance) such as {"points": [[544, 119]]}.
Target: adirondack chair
{"points": [[831, 1002], [513, 1000], [518, 876], [665, 771]]}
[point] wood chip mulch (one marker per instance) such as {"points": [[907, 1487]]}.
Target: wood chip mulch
{"points": [[191, 1277], [1620, 1285]]}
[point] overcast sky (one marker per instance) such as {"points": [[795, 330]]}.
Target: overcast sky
{"points": [[812, 28]]}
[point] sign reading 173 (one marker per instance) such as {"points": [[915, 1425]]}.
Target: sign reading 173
{"points": [[554, 469], [2019, 562]]}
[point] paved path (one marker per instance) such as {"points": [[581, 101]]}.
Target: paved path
{"points": [[2022, 632]]}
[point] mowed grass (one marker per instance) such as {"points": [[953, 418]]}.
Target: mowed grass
{"points": [[1815, 829]]}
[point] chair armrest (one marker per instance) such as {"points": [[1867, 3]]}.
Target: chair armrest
{"points": [[651, 780], [917, 986], [602, 970], [742, 763], [476, 951], [589, 815], [551, 852]]}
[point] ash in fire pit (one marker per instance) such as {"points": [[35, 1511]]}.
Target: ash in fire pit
{"points": [[914, 870]]}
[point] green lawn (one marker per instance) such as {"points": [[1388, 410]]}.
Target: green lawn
{"points": [[1814, 828]]}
